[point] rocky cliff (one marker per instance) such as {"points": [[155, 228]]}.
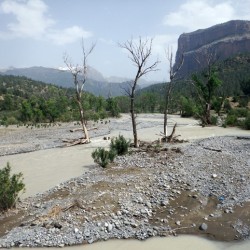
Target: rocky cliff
{"points": [[221, 41]]}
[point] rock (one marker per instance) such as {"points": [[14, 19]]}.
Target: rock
{"points": [[76, 230], [164, 203], [214, 176], [178, 223], [90, 241], [57, 225], [87, 233], [203, 227], [37, 205], [110, 227]]}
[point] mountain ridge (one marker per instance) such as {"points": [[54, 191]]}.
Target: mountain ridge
{"points": [[96, 83], [223, 40]]}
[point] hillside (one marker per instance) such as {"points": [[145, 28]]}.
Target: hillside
{"points": [[233, 72], [24, 100], [96, 83]]}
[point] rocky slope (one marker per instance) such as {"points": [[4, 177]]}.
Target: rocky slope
{"points": [[223, 40]]}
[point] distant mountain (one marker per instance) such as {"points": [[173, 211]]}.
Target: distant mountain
{"points": [[117, 79], [96, 84], [223, 40]]}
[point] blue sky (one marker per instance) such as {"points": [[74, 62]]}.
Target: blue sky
{"points": [[39, 32]]}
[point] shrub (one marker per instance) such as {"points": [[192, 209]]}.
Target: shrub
{"points": [[10, 188], [214, 120], [11, 120], [120, 145], [239, 112], [231, 120], [103, 157], [227, 106], [247, 122]]}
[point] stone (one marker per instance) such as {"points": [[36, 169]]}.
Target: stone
{"points": [[110, 227], [203, 227], [38, 205], [164, 203], [57, 225], [119, 213], [178, 223]]}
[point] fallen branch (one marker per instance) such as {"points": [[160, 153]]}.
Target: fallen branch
{"points": [[70, 142], [74, 204], [80, 129], [213, 149]]}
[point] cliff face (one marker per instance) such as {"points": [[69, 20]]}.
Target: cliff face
{"points": [[222, 40]]}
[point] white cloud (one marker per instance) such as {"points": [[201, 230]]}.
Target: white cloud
{"points": [[30, 17], [32, 21], [161, 43], [68, 35], [198, 14]]}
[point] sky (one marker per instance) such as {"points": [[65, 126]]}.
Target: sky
{"points": [[40, 32]]}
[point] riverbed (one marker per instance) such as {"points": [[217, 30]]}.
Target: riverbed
{"points": [[44, 169]]}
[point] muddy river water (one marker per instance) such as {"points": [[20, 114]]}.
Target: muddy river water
{"points": [[173, 243]]}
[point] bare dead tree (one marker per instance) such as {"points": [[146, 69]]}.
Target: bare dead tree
{"points": [[139, 53], [79, 74], [169, 87]]}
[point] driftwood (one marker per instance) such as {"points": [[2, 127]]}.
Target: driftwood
{"points": [[213, 149], [75, 203], [73, 142], [170, 138], [80, 129]]}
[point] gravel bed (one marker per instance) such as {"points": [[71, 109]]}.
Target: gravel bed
{"points": [[127, 199], [27, 139]]}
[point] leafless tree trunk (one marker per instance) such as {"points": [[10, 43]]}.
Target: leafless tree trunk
{"points": [[139, 54], [79, 74], [169, 88]]}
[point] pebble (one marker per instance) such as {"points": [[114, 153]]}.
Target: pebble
{"points": [[178, 223], [203, 227]]}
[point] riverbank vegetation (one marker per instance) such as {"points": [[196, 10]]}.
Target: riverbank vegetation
{"points": [[27, 102]]}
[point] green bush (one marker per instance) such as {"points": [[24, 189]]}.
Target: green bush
{"points": [[247, 122], [120, 145], [227, 106], [10, 188], [214, 119], [231, 120], [103, 157], [239, 112]]}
